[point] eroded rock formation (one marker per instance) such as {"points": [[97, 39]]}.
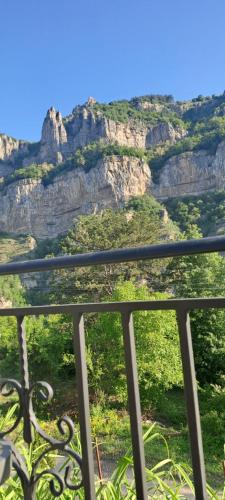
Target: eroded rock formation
{"points": [[191, 173], [27, 206], [44, 211], [61, 137]]}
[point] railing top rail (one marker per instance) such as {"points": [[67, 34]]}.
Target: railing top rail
{"points": [[131, 306], [159, 251]]}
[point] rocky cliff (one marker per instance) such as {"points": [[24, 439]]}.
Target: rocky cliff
{"points": [[182, 142], [27, 206], [61, 137], [191, 173]]}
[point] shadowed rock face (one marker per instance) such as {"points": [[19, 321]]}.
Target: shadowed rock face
{"points": [[27, 206], [191, 173]]}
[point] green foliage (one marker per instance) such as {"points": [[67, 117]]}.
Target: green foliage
{"points": [[88, 157], [209, 106], [156, 341], [32, 171], [171, 410], [202, 276], [47, 247], [145, 203], [104, 231], [165, 478], [203, 118], [123, 111], [154, 99], [11, 290], [49, 341], [204, 135], [206, 210]]}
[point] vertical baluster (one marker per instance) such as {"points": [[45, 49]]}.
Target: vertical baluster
{"points": [[26, 400], [134, 406], [83, 404], [191, 396]]}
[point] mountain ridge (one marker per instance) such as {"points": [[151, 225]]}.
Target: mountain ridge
{"points": [[102, 154]]}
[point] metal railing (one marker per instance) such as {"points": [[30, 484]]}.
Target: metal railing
{"points": [[10, 457]]}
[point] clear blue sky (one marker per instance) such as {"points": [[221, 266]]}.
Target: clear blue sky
{"points": [[58, 52]]}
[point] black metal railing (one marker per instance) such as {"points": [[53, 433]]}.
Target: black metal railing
{"points": [[10, 456]]}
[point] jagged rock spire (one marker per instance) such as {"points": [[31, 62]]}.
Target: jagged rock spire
{"points": [[53, 130]]}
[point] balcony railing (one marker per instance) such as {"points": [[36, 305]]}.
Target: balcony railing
{"points": [[10, 457]]}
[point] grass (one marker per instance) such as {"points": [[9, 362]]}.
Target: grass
{"points": [[12, 247], [111, 428], [166, 448], [113, 432], [164, 478]]}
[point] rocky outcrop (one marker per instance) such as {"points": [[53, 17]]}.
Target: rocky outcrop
{"points": [[27, 206], [191, 173], [11, 148], [162, 133], [53, 137], [88, 126], [45, 211], [61, 137]]}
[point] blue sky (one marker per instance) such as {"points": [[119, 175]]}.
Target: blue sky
{"points": [[59, 52]]}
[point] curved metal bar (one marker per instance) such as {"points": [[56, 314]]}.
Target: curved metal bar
{"points": [[66, 429], [44, 391], [60, 444], [19, 465], [55, 492], [7, 387], [64, 481]]}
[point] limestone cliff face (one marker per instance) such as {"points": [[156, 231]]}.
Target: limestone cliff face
{"points": [[191, 173], [61, 137], [89, 126], [53, 137], [44, 211], [162, 133], [10, 147], [27, 206]]}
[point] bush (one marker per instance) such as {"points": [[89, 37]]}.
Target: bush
{"points": [[156, 342], [123, 111]]}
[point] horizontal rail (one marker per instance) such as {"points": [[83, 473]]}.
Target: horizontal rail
{"points": [[143, 305], [159, 251]]}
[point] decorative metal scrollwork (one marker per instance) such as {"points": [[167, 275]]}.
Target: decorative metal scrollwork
{"points": [[61, 477]]}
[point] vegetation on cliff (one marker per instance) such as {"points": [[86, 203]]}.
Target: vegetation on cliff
{"points": [[203, 119], [206, 210], [123, 111]]}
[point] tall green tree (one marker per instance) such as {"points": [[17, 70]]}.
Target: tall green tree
{"points": [[106, 231]]}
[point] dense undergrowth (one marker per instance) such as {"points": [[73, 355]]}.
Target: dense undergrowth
{"points": [[165, 478]]}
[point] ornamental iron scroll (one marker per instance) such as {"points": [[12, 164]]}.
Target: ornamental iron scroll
{"points": [[60, 477]]}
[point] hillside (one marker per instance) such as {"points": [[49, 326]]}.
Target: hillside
{"points": [[101, 155]]}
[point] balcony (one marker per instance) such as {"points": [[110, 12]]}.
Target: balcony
{"points": [[11, 461]]}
